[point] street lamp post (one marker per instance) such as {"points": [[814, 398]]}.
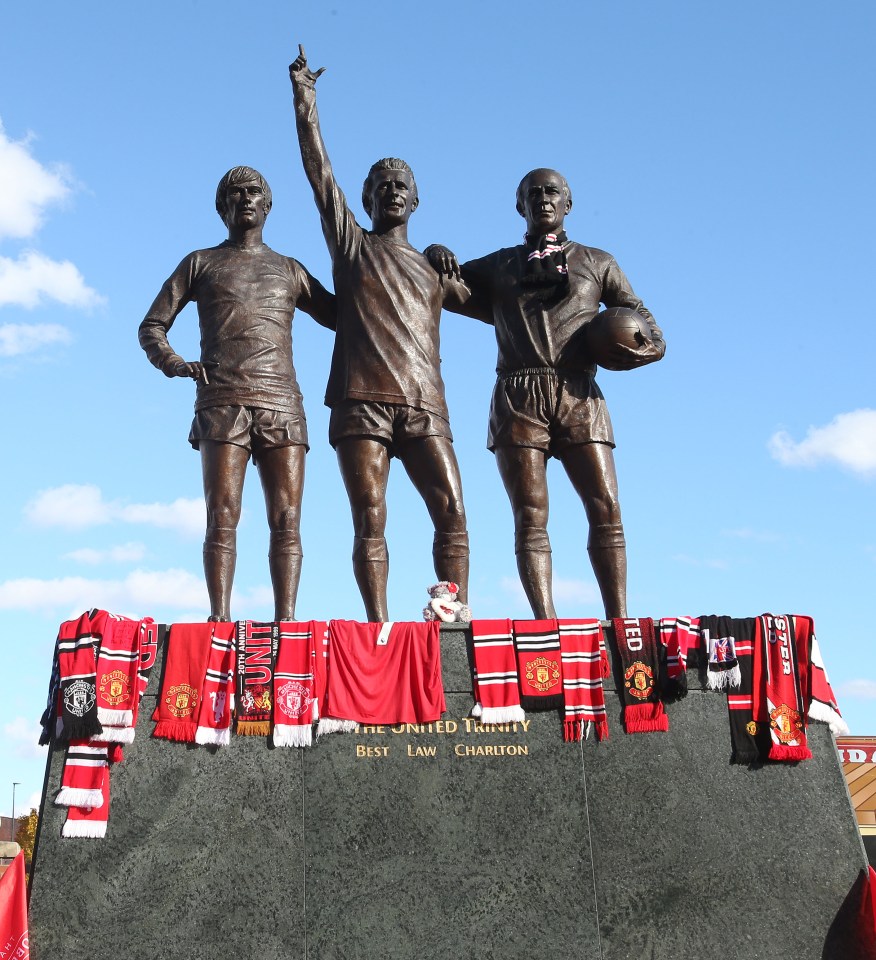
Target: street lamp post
{"points": [[15, 783]]}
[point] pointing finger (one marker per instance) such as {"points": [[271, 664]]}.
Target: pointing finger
{"points": [[301, 52]]}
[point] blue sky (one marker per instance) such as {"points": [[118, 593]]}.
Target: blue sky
{"points": [[723, 154]]}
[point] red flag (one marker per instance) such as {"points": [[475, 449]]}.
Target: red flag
{"points": [[13, 912]]}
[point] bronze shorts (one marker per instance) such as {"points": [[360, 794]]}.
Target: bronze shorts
{"points": [[548, 410], [393, 424], [254, 428]]}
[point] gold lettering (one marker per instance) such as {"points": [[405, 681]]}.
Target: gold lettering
{"points": [[421, 751], [371, 729], [363, 750]]}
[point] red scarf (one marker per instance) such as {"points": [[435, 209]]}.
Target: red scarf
{"points": [[585, 663], [295, 701], [14, 941], [182, 688], [384, 673], [643, 711], [496, 690], [217, 694], [778, 700], [119, 674]]}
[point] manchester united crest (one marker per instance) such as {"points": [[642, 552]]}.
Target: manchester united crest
{"points": [[79, 697], [293, 698], [787, 724], [751, 728], [115, 687], [542, 674], [639, 680], [182, 700]]}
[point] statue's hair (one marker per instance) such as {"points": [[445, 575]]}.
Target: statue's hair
{"points": [[240, 175], [567, 193], [387, 163]]}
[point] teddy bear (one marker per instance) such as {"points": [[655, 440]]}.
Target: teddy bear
{"points": [[444, 606]]}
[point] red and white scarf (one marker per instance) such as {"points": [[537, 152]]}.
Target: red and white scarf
{"points": [[585, 663], [257, 645], [818, 692], [722, 660], [217, 690], [640, 665], [496, 690], [778, 699], [120, 680], [539, 666], [295, 701], [383, 673], [85, 788]]}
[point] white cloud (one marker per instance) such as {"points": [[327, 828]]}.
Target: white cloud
{"points": [[78, 506], [848, 440], [18, 338], [141, 591], [124, 553], [24, 736], [34, 277], [860, 688], [29, 188]]}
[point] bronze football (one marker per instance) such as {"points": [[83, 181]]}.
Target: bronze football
{"points": [[616, 325]]}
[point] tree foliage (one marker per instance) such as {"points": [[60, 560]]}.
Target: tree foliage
{"points": [[25, 835]]}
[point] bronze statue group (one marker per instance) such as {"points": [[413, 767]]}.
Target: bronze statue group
{"points": [[385, 388]]}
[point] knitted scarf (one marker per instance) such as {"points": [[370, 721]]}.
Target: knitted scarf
{"points": [[256, 655], [678, 635], [643, 711], [91, 821], [295, 701], [749, 739], [719, 644], [120, 680], [585, 663], [778, 700], [546, 268], [383, 673], [818, 692], [495, 687], [188, 651], [538, 664], [217, 691], [77, 667]]}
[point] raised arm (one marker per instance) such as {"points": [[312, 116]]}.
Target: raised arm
{"points": [[174, 295], [330, 201]]}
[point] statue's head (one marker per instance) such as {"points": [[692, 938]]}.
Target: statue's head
{"points": [[390, 191], [543, 200], [236, 177]]}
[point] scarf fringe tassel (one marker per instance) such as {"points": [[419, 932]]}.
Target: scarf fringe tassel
{"points": [[825, 714], [646, 718], [96, 829], [79, 797], [333, 725], [287, 735], [174, 730], [513, 714], [779, 751], [723, 679], [216, 736], [253, 728]]}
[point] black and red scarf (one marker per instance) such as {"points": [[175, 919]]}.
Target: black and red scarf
{"points": [[257, 645], [640, 669]]}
